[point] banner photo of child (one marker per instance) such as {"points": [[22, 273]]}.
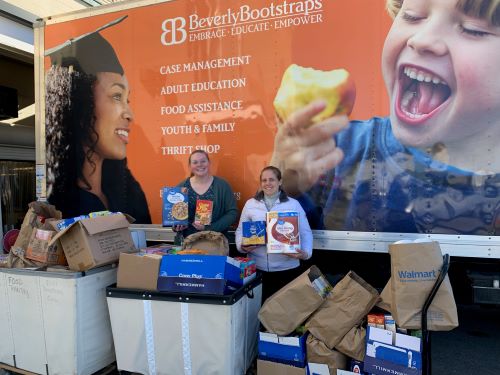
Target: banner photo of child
{"points": [[432, 165]]}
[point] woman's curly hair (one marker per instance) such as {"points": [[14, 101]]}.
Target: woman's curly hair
{"points": [[69, 126], [71, 140]]}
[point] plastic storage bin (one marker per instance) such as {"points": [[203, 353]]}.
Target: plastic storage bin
{"points": [[188, 334], [56, 322]]}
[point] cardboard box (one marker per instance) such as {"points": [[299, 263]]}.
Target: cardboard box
{"points": [[344, 372], [282, 232], [253, 233], [382, 358], [317, 369], [65, 223], [390, 323], [175, 206], [275, 368], [376, 320], [247, 267], [200, 274], [93, 242], [139, 238], [285, 349], [138, 271], [40, 249]]}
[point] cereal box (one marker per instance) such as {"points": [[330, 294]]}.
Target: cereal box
{"points": [[253, 233], [247, 266], [203, 212], [283, 232], [175, 206]]}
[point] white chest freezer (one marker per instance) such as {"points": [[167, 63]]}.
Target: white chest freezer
{"points": [[56, 322], [159, 333]]}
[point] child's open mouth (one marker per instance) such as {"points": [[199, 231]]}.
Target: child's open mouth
{"points": [[420, 94]]}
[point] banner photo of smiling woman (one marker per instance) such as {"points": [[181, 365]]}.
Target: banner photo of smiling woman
{"points": [[87, 121]]}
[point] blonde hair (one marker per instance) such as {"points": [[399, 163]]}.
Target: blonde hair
{"points": [[488, 10]]}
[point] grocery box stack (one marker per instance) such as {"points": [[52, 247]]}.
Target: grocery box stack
{"points": [[52, 291], [310, 316], [314, 328], [391, 348], [168, 268]]}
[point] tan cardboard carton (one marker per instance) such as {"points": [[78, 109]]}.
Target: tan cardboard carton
{"points": [[138, 271], [90, 243], [275, 368]]}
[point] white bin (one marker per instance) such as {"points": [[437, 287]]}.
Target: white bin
{"points": [[59, 323], [187, 334], [6, 339]]}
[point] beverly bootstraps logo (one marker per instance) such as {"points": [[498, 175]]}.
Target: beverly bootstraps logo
{"points": [[241, 21], [417, 276], [174, 31]]}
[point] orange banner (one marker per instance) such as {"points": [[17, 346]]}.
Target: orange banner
{"points": [[204, 75]]}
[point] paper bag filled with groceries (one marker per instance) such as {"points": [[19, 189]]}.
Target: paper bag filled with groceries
{"points": [[33, 238], [350, 300], [290, 306], [214, 243], [414, 270]]}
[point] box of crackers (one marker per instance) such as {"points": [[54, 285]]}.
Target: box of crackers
{"points": [[175, 206]]}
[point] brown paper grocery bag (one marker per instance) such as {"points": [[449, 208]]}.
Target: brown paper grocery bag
{"points": [[318, 352], [37, 213], [17, 259], [349, 301], [214, 243], [386, 297], [414, 270], [290, 306], [353, 344]]}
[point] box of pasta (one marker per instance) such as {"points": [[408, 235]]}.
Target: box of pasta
{"points": [[253, 233]]}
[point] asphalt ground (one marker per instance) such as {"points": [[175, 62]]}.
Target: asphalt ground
{"points": [[473, 348]]}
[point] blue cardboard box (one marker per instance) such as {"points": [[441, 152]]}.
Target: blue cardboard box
{"points": [[175, 206], [211, 274], [283, 349], [381, 358]]}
